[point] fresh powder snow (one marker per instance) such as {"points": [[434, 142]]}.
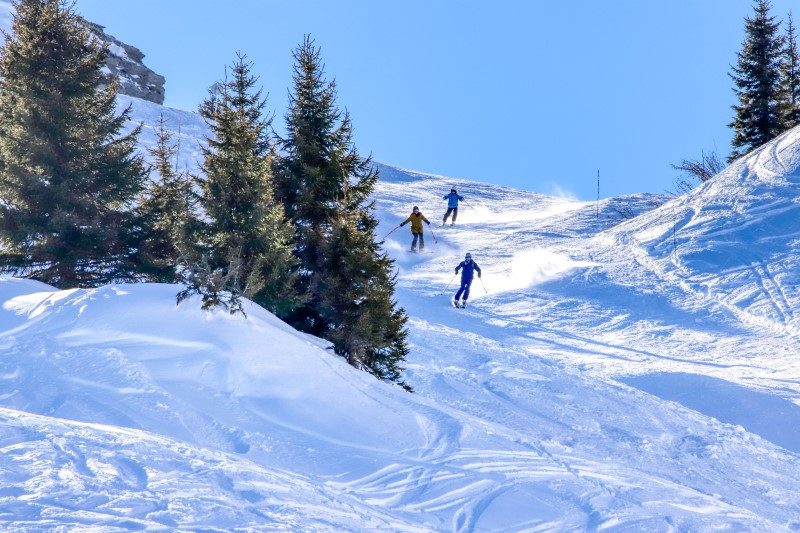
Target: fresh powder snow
{"points": [[629, 364], [619, 366]]}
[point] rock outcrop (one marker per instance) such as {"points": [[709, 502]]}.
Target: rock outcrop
{"points": [[125, 62]]}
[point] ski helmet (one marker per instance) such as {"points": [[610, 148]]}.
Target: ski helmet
{"points": [[468, 256], [415, 208], [453, 189]]}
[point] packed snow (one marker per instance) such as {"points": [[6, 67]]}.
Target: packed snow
{"points": [[620, 365]]}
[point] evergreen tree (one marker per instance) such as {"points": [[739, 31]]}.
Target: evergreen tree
{"points": [[757, 75], [357, 299], [68, 177], [164, 212], [245, 243], [325, 187], [790, 76]]}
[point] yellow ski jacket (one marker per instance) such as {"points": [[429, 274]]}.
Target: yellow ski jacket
{"points": [[416, 222]]}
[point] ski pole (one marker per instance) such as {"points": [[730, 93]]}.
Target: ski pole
{"points": [[450, 282], [432, 233], [482, 285], [387, 235]]}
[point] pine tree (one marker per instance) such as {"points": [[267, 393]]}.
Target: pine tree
{"points": [[757, 74], [245, 243], [325, 186], [68, 176], [357, 299], [790, 76], [165, 212]]}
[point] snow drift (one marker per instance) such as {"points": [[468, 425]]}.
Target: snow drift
{"points": [[734, 240], [126, 355]]}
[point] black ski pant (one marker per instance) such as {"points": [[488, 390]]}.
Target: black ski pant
{"points": [[453, 210], [421, 241], [465, 284]]}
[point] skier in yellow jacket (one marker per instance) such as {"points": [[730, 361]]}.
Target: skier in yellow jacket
{"points": [[416, 218]]}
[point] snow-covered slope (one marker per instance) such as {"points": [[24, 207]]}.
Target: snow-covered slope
{"points": [[126, 356], [196, 394], [61, 475], [188, 130], [626, 365], [733, 241], [578, 391], [558, 295]]}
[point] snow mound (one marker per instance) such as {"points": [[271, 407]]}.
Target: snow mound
{"points": [[127, 356], [733, 242], [142, 413]]}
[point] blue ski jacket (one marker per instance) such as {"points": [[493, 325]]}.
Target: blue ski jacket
{"points": [[468, 269], [453, 199]]}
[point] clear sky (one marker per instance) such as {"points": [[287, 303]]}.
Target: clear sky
{"points": [[532, 94]]}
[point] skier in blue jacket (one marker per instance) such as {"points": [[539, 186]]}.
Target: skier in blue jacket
{"points": [[452, 206], [467, 267]]}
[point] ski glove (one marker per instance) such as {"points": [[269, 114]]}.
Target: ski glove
{"points": [[402, 224], [428, 222]]}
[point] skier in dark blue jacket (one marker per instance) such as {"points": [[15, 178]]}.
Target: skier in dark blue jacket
{"points": [[468, 267], [452, 206]]}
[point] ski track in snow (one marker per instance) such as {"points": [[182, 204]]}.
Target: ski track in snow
{"points": [[552, 402], [561, 319]]}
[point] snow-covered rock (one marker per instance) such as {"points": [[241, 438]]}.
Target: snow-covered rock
{"points": [[124, 61]]}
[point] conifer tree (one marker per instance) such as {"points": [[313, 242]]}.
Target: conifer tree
{"points": [[759, 113], [165, 212], [357, 298], [790, 76], [245, 242], [68, 176], [325, 186]]}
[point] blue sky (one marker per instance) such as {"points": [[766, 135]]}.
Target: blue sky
{"points": [[535, 95]]}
